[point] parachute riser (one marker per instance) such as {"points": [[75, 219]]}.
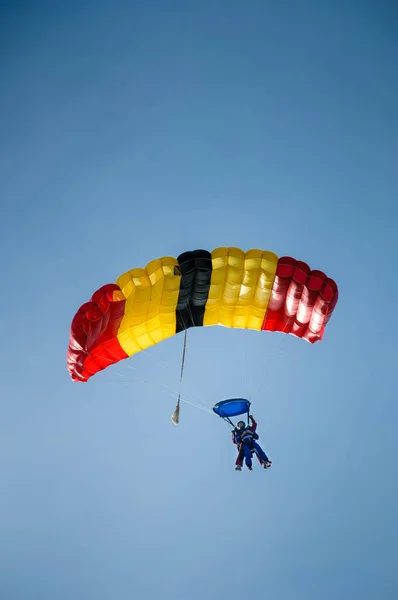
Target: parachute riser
{"points": [[228, 420]]}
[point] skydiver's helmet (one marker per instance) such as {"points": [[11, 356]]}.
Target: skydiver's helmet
{"points": [[241, 425]]}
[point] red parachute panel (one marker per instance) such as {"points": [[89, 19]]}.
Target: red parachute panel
{"points": [[93, 343], [302, 301]]}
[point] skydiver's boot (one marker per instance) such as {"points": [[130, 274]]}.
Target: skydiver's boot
{"points": [[267, 464], [238, 468]]}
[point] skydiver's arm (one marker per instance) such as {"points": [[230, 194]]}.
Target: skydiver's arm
{"points": [[253, 426]]}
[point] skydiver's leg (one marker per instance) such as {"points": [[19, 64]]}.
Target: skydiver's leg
{"points": [[261, 454], [258, 458], [239, 459], [248, 455]]}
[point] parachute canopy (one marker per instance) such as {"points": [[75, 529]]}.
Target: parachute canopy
{"points": [[232, 407], [229, 287]]}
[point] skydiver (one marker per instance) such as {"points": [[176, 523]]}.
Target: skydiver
{"points": [[241, 455], [244, 437]]}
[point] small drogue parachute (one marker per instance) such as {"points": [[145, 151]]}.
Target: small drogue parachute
{"points": [[232, 408], [228, 287]]}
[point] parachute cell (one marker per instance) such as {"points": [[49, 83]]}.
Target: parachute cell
{"points": [[229, 287]]}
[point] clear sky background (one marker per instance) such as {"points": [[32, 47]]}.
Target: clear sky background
{"points": [[133, 130]]}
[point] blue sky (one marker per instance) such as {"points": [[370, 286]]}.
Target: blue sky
{"points": [[133, 130]]}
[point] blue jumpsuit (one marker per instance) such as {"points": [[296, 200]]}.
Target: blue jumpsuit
{"points": [[247, 438]]}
